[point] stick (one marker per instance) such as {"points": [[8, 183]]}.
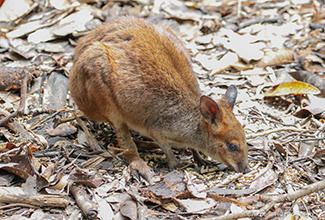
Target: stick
{"points": [[20, 110], [272, 200]]}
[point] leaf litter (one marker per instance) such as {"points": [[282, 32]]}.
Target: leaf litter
{"points": [[75, 166]]}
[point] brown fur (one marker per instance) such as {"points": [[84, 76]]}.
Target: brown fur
{"points": [[139, 76]]}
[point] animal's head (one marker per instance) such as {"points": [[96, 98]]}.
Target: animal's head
{"points": [[227, 141]]}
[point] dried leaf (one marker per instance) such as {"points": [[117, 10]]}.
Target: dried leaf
{"points": [[105, 211], [9, 10], [310, 61], [46, 21], [87, 178], [276, 58], [129, 209], [266, 178], [21, 168], [62, 4], [319, 153], [315, 107], [302, 113], [225, 199], [292, 88], [11, 190], [280, 148], [41, 35], [178, 9], [62, 130], [244, 46], [224, 63], [50, 47], [196, 190], [10, 101], [171, 186], [235, 209], [30, 186], [55, 91], [73, 23], [169, 206], [310, 78], [196, 205]]}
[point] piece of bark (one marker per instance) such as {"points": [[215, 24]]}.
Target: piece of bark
{"points": [[55, 92], [85, 204]]}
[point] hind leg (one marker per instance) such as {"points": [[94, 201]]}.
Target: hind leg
{"points": [[137, 165]]}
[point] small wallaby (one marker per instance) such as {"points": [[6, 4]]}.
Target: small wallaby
{"points": [[139, 76]]}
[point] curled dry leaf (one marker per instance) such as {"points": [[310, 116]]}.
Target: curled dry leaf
{"points": [[319, 153], [196, 205], [295, 88], [275, 58], [310, 61], [129, 209], [302, 113], [20, 165], [279, 147], [62, 130], [9, 100], [316, 107], [86, 177], [170, 206], [310, 78], [171, 186]]}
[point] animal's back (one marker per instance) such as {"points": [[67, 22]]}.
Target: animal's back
{"points": [[140, 70]]}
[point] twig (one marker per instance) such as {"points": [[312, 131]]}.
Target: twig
{"points": [[306, 139], [59, 121], [251, 213], [91, 140], [239, 8], [321, 128], [18, 205], [53, 59], [41, 122], [20, 110], [297, 194], [275, 131], [36, 200], [272, 200]]}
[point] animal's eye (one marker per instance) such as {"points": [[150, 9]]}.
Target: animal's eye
{"points": [[232, 147]]}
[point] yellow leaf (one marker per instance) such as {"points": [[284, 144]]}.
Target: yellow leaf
{"points": [[292, 88]]}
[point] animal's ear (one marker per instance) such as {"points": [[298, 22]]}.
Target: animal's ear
{"points": [[210, 109], [231, 95]]}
